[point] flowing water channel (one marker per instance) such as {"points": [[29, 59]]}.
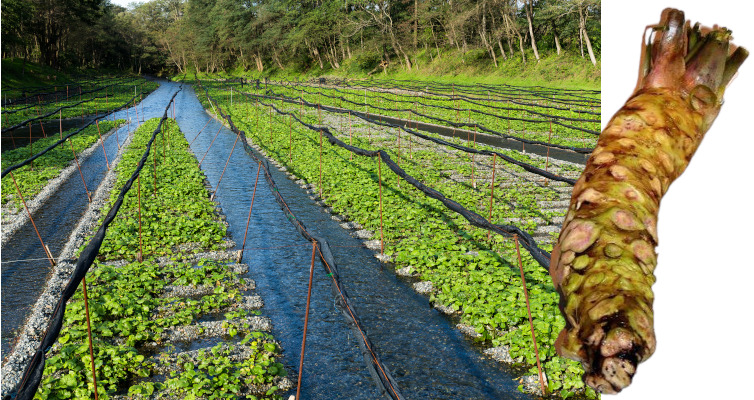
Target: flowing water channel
{"points": [[427, 355]]}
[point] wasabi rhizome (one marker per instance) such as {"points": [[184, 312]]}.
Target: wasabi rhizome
{"points": [[604, 261]]}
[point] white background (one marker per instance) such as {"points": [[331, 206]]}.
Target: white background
{"points": [[704, 298]]}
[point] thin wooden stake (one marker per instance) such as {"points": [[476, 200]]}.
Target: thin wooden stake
{"points": [[528, 311], [248, 219], [136, 108], [290, 140], [379, 176], [350, 134], [102, 143], [492, 190], [140, 256], [210, 145], [70, 140], [224, 168], [306, 322], [320, 164], [89, 333], [44, 247]]}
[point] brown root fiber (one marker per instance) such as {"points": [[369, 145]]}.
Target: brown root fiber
{"points": [[603, 265]]}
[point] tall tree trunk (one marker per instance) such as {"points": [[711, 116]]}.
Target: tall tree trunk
{"points": [[557, 40], [434, 38], [521, 46], [529, 16], [502, 51], [277, 59], [243, 59], [510, 46], [416, 24], [313, 50], [258, 59], [332, 56], [399, 50], [582, 23], [581, 41], [485, 42], [493, 28]]}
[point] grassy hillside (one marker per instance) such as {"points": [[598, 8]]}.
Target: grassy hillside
{"points": [[17, 73], [567, 70]]}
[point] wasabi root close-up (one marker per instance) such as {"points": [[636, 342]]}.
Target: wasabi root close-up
{"points": [[603, 265]]}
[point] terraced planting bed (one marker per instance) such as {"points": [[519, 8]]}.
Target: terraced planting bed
{"points": [[530, 114], [96, 97], [466, 271], [172, 314]]}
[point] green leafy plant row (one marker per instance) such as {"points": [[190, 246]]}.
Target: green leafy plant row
{"points": [[132, 312]]}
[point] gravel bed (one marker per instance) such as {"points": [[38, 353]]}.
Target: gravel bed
{"points": [[531, 383], [424, 287], [447, 310], [200, 290], [189, 333], [468, 330], [351, 225], [363, 234], [218, 255], [500, 354], [15, 217]]}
